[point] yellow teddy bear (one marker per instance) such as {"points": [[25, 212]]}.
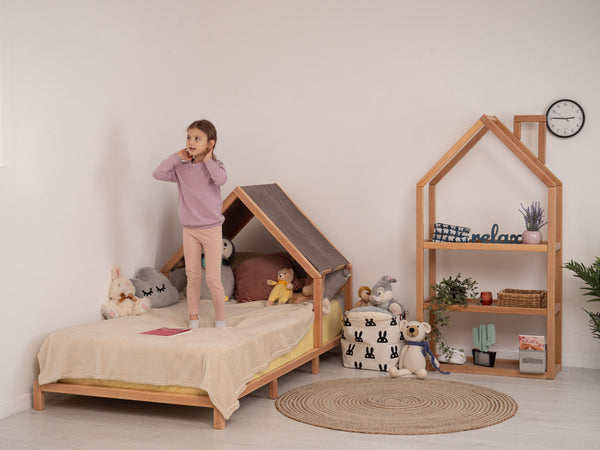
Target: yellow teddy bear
{"points": [[282, 288]]}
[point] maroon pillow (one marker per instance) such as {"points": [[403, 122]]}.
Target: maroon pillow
{"points": [[251, 276]]}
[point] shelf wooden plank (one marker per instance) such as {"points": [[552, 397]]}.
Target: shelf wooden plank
{"points": [[540, 248], [494, 309], [502, 367]]}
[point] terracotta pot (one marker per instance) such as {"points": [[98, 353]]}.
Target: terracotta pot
{"points": [[486, 298], [532, 237]]}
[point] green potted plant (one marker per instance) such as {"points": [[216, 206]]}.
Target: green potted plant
{"points": [[591, 276], [534, 220], [449, 291]]}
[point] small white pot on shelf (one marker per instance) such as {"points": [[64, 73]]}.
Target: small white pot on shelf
{"points": [[457, 357], [532, 237]]}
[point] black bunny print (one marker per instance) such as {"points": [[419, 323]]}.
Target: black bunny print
{"points": [[350, 350], [382, 339]]}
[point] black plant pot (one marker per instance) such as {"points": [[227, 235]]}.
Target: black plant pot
{"points": [[486, 359]]}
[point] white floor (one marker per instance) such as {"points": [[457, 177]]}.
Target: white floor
{"points": [[560, 413]]}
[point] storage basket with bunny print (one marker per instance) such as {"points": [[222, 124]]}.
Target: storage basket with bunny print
{"points": [[371, 340]]}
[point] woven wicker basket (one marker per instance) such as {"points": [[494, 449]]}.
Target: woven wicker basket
{"points": [[522, 298]]}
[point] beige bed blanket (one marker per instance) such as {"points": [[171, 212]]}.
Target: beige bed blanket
{"points": [[218, 360]]}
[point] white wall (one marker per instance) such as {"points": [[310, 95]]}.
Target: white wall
{"points": [[346, 104]]}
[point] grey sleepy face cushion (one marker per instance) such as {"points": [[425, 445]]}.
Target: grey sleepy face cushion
{"points": [[150, 283]]}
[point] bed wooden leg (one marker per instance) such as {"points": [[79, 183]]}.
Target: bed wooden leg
{"points": [[273, 389], [315, 366], [218, 420], [38, 397]]}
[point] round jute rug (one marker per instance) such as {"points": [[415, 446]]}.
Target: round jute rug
{"points": [[396, 405]]}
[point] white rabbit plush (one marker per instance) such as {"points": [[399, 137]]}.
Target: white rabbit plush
{"points": [[121, 297]]}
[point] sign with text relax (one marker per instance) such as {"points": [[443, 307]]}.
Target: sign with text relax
{"points": [[494, 237]]}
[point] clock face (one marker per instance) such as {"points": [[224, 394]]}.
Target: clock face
{"points": [[565, 118]]}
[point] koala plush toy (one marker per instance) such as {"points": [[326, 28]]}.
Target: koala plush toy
{"points": [[383, 297], [282, 288], [121, 298]]}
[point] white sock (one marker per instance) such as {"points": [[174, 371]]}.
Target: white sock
{"points": [[220, 323], [194, 323]]}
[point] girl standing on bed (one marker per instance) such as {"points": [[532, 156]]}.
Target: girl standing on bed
{"points": [[199, 177]]}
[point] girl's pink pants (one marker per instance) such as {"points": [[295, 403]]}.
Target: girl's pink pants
{"points": [[211, 240]]}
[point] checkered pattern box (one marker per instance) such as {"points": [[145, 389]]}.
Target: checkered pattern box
{"points": [[444, 232], [371, 340]]}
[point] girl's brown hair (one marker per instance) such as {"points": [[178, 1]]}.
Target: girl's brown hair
{"points": [[207, 128]]}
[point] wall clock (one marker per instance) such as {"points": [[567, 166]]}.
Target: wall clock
{"points": [[565, 118]]}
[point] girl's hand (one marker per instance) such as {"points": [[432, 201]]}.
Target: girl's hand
{"points": [[208, 155], [184, 155]]}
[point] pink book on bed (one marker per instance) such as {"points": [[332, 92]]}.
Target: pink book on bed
{"points": [[165, 331]]}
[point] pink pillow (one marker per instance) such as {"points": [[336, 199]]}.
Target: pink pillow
{"points": [[251, 276]]}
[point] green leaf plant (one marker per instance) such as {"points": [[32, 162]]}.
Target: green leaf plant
{"points": [[449, 291], [591, 277]]}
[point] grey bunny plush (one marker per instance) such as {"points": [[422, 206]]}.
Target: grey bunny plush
{"points": [[383, 297]]}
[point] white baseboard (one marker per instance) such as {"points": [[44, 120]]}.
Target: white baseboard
{"points": [[16, 405]]}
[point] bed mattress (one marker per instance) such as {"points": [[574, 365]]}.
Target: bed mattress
{"points": [[205, 361]]}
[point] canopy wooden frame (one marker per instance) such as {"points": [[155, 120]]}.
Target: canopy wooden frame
{"points": [[240, 207]]}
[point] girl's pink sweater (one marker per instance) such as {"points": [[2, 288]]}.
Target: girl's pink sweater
{"points": [[199, 188]]}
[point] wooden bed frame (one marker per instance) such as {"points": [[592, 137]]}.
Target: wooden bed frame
{"points": [[183, 399], [231, 203], [269, 378]]}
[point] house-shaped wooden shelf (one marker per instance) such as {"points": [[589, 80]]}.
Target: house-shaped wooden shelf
{"points": [[272, 207], [552, 247]]}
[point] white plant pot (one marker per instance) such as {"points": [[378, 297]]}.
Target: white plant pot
{"points": [[457, 357], [532, 237]]}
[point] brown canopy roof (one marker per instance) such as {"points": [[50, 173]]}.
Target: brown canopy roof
{"points": [[284, 220]]}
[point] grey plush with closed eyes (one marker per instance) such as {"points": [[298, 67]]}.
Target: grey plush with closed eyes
{"points": [[152, 284]]}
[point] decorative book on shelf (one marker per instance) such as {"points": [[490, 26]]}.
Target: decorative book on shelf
{"points": [[166, 331]]}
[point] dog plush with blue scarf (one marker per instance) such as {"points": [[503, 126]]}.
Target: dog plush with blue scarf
{"points": [[413, 357]]}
